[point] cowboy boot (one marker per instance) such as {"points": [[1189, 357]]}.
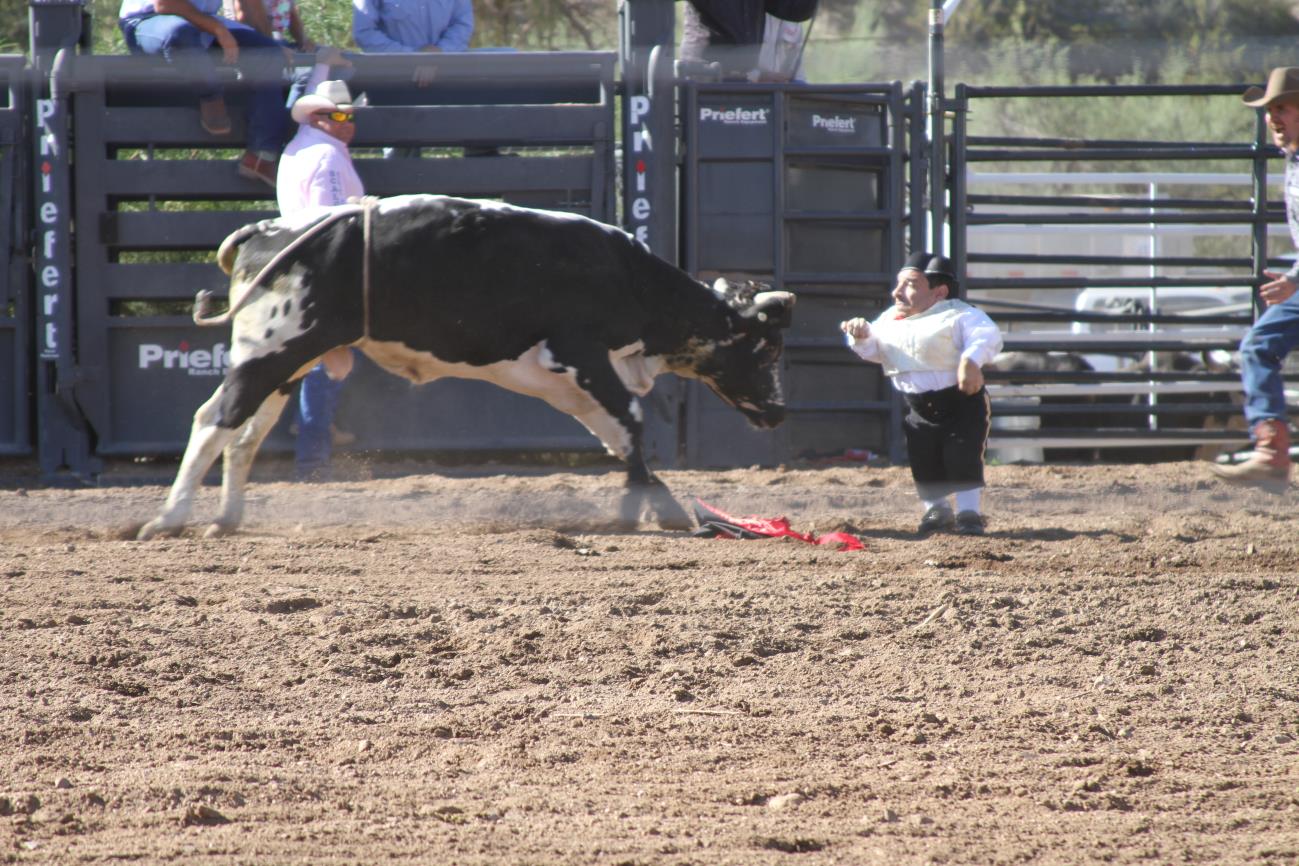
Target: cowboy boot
{"points": [[1269, 466]]}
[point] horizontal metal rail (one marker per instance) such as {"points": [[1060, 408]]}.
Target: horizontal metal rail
{"points": [[1120, 342], [1110, 389], [1100, 200], [1083, 143], [1123, 439], [1082, 282], [1112, 410], [1102, 318], [1107, 90], [1130, 261], [1242, 152], [1043, 218], [1096, 376]]}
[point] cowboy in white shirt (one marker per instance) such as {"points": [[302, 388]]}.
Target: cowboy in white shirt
{"points": [[316, 169]]}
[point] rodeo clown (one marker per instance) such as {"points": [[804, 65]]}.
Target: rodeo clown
{"points": [[933, 346]]}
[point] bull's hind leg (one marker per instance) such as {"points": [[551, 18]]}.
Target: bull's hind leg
{"points": [[238, 462], [206, 440]]}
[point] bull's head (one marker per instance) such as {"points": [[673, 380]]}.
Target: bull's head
{"points": [[744, 368]]}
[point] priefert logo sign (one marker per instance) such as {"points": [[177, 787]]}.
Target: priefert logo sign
{"points": [[195, 362], [734, 116], [837, 123]]}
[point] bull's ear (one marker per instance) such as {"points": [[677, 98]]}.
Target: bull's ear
{"points": [[776, 308]]}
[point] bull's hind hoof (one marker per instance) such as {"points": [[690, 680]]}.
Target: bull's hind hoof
{"points": [[219, 530], [158, 528]]}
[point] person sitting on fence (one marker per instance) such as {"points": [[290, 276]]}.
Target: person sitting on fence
{"points": [[317, 170], [730, 34], [933, 346], [781, 57], [396, 26], [278, 19], [387, 26], [1276, 333], [186, 33]]}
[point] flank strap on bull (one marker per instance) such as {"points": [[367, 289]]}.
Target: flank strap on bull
{"points": [[369, 203], [203, 315]]}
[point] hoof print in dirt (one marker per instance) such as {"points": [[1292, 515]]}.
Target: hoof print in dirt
{"points": [[789, 846], [202, 815], [292, 605]]}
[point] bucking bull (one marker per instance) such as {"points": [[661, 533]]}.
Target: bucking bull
{"points": [[547, 304]]}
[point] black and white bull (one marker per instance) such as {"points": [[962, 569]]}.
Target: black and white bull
{"points": [[547, 304]]}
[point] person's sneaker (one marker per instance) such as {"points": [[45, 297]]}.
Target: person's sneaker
{"points": [[254, 167], [937, 518], [969, 523], [212, 114]]}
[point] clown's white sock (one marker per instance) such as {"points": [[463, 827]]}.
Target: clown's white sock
{"points": [[968, 500]]}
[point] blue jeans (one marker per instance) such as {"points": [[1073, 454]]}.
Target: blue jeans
{"points": [[190, 49], [317, 403], [1262, 352]]}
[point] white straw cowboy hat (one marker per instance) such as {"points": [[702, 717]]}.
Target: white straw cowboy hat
{"points": [[1284, 81], [329, 96]]}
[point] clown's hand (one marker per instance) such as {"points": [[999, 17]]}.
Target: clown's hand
{"points": [[969, 377]]}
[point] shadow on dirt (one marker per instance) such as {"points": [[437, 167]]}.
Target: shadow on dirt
{"points": [[1058, 534]]}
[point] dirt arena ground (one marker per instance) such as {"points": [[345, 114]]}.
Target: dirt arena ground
{"points": [[468, 666]]}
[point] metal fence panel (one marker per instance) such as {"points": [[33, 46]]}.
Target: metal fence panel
{"points": [[801, 187], [156, 195], [15, 268], [1103, 267]]}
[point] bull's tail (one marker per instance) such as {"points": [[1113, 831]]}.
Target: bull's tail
{"points": [[226, 255], [203, 309], [230, 246], [229, 250]]}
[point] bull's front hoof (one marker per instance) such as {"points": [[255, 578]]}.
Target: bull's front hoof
{"points": [[629, 510], [676, 523], [668, 513], [158, 528], [220, 530]]}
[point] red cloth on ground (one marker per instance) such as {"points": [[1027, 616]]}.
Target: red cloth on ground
{"points": [[776, 527]]}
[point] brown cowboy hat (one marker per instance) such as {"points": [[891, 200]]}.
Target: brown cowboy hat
{"points": [[1284, 81]]}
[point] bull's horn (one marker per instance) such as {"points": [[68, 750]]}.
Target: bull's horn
{"points": [[768, 297]]}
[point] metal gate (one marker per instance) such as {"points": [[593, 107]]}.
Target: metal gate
{"points": [[801, 187], [154, 197], [1104, 263], [15, 269]]}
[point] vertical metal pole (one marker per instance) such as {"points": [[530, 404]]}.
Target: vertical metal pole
{"points": [[648, 28], [1258, 230], [918, 172], [937, 143], [959, 235], [64, 440], [649, 172]]}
